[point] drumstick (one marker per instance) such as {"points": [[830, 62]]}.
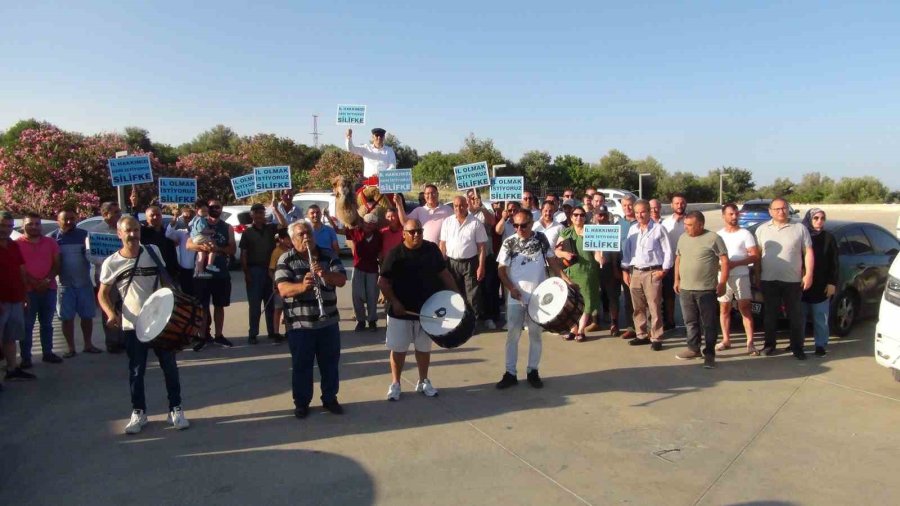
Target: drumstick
{"points": [[424, 316]]}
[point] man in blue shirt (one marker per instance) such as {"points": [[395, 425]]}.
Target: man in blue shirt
{"points": [[646, 257], [76, 293], [325, 236]]}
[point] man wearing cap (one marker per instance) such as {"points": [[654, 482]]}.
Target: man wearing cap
{"points": [[366, 247], [257, 243], [376, 156]]}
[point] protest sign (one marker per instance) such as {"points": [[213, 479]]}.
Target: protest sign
{"points": [[395, 181], [473, 175], [602, 238], [351, 114], [507, 188], [130, 170], [103, 245], [272, 178], [244, 186], [177, 190]]}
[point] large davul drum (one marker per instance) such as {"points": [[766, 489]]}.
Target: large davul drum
{"points": [[447, 320], [555, 306], [169, 320]]}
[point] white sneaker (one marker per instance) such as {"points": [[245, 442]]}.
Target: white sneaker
{"points": [[490, 325], [425, 387], [212, 268], [394, 392], [177, 419], [137, 422]]}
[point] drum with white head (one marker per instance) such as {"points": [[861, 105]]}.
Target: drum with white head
{"points": [[446, 318], [555, 305], [169, 320]]}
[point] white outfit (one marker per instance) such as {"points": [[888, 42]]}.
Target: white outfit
{"points": [[374, 159], [674, 228], [186, 257], [461, 240], [523, 261], [737, 286], [116, 270], [552, 232], [431, 219]]}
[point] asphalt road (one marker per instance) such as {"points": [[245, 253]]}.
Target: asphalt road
{"points": [[614, 424]]}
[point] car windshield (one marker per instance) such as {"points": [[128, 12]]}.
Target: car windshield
{"points": [[755, 207]]}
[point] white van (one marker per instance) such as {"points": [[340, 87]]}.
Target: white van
{"points": [[614, 200], [887, 330]]}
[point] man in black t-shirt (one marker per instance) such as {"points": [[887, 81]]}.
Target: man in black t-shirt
{"points": [[412, 272]]}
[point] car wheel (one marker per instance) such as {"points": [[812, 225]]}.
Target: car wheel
{"points": [[844, 314]]}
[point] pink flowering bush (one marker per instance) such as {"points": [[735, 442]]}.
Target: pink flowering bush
{"points": [[213, 170], [335, 162], [50, 169]]}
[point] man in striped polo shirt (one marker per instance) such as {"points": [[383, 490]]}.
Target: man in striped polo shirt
{"points": [[310, 310]]}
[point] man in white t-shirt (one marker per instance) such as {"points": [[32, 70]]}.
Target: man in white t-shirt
{"points": [[522, 269], [547, 225], [134, 272], [431, 215], [674, 225], [742, 251]]}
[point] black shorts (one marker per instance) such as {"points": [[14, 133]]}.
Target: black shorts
{"points": [[216, 289]]}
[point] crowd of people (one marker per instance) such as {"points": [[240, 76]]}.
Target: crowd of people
{"points": [[494, 255]]}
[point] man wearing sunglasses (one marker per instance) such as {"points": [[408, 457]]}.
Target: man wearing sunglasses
{"points": [[217, 288], [787, 271], [529, 202], [412, 272], [522, 268]]}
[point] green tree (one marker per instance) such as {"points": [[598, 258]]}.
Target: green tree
{"points": [[657, 173], [334, 161], [565, 169], [218, 138], [617, 171], [737, 183], [407, 156], [862, 190], [813, 188], [138, 139], [781, 187], [437, 168], [268, 149], [167, 154], [693, 188], [10, 138], [538, 171], [483, 150]]}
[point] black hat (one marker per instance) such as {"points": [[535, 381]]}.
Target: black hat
{"points": [[379, 132]]}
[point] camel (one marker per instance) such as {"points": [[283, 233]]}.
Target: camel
{"points": [[351, 206]]}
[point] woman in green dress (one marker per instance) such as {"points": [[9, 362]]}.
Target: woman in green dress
{"points": [[583, 270]]}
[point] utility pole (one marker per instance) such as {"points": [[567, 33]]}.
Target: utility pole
{"points": [[721, 185], [315, 132], [641, 184], [120, 190]]}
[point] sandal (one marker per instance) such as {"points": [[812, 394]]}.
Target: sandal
{"points": [[752, 351], [579, 338], [613, 330], [69, 354], [92, 349], [723, 347], [569, 337]]}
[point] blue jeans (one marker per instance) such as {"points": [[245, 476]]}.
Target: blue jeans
{"points": [[259, 291], [137, 366], [42, 307], [323, 345], [819, 312]]}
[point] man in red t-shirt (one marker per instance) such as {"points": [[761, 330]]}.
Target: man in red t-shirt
{"points": [[12, 298], [366, 248], [391, 235], [41, 267]]}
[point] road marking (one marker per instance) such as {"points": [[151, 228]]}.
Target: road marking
{"points": [[820, 380], [750, 442]]}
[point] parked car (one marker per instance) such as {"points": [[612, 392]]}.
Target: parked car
{"points": [[757, 211], [614, 200], [887, 331], [88, 222], [865, 253], [239, 219]]}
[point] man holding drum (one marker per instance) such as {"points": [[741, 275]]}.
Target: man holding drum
{"points": [[134, 273], [412, 272], [522, 268]]}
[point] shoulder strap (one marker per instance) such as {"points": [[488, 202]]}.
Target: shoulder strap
{"points": [[137, 259], [163, 273]]}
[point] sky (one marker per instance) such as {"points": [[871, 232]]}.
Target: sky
{"points": [[780, 88]]}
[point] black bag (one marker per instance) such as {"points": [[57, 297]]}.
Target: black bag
{"points": [[569, 245]]}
